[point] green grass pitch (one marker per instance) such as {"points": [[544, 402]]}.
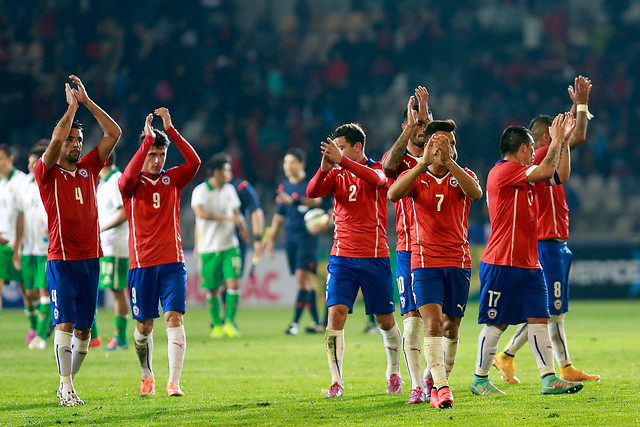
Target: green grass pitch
{"points": [[268, 378]]}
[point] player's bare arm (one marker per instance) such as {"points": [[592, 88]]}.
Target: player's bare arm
{"points": [[469, 186], [115, 221], [61, 131], [242, 225], [579, 95], [392, 160], [112, 131], [276, 223], [257, 226], [202, 213], [401, 186], [564, 161], [17, 243], [547, 167]]}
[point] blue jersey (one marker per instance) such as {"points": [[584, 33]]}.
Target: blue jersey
{"points": [[249, 202], [294, 225]]}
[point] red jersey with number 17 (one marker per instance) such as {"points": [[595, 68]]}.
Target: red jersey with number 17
{"points": [[360, 211], [69, 197], [553, 211], [403, 206], [439, 227], [152, 205]]}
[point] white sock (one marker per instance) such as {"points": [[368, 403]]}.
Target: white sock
{"points": [[79, 349], [434, 354], [427, 372], [450, 350], [559, 339], [518, 339], [487, 347], [391, 340], [144, 350], [334, 342], [541, 347], [411, 334], [176, 346], [62, 349]]}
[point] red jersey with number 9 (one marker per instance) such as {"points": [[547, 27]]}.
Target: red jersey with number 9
{"points": [[69, 197]]}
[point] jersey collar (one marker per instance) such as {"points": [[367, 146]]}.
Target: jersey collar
{"points": [[111, 173]]}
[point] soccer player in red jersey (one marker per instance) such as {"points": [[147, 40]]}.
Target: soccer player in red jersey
{"points": [[403, 155], [513, 289], [359, 257], [67, 185], [555, 256], [157, 271], [441, 192]]}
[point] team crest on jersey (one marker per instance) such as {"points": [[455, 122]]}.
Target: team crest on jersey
{"points": [[135, 310], [492, 313], [165, 180], [83, 172], [453, 181], [56, 313], [557, 304]]}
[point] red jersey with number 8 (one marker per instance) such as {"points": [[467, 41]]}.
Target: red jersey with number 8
{"points": [[69, 197]]}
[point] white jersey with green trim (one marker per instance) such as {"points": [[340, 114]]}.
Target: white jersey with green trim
{"points": [[212, 235], [115, 241]]}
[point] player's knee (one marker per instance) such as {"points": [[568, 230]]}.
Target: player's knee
{"points": [[385, 321]]}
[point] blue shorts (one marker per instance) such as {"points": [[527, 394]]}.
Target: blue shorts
{"points": [[303, 254], [73, 286], [555, 258], [511, 295], [403, 281], [166, 283], [446, 286], [345, 276]]}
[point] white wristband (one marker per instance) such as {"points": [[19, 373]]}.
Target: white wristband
{"points": [[584, 108]]}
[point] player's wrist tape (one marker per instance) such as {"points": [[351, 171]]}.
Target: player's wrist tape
{"points": [[584, 108], [257, 238]]}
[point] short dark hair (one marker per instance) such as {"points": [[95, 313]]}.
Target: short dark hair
{"points": [[76, 125], [217, 162], [7, 149], [298, 154], [439, 125], [162, 140], [352, 132], [512, 138], [39, 149], [540, 125]]}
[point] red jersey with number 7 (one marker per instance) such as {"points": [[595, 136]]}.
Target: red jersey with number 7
{"points": [[152, 205], [439, 225], [69, 197]]}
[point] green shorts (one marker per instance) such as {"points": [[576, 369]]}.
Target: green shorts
{"points": [[7, 271], [34, 271], [113, 273], [217, 267]]}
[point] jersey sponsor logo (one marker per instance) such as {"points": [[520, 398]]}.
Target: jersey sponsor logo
{"points": [[557, 304], [83, 172], [453, 181], [165, 180], [492, 313]]}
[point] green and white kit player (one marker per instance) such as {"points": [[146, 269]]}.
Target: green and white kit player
{"points": [[10, 181], [217, 208], [30, 251], [114, 265]]}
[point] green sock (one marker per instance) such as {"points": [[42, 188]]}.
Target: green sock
{"points": [[213, 303], [44, 320], [121, 329], [233, 296], [94, 328], [33, 317]]}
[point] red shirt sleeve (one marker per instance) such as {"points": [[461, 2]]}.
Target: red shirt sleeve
{"points": [[320, 185], [129, 177], [365, 173], [186, 171]]}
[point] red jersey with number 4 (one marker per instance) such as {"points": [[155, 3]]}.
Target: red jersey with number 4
{"points": [[403, 206], [69, 197], [152, 206], [439, 221], [553, 211], [360, 212]]}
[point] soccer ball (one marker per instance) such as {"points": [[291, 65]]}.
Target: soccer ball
{"points": [[316, 220]]}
